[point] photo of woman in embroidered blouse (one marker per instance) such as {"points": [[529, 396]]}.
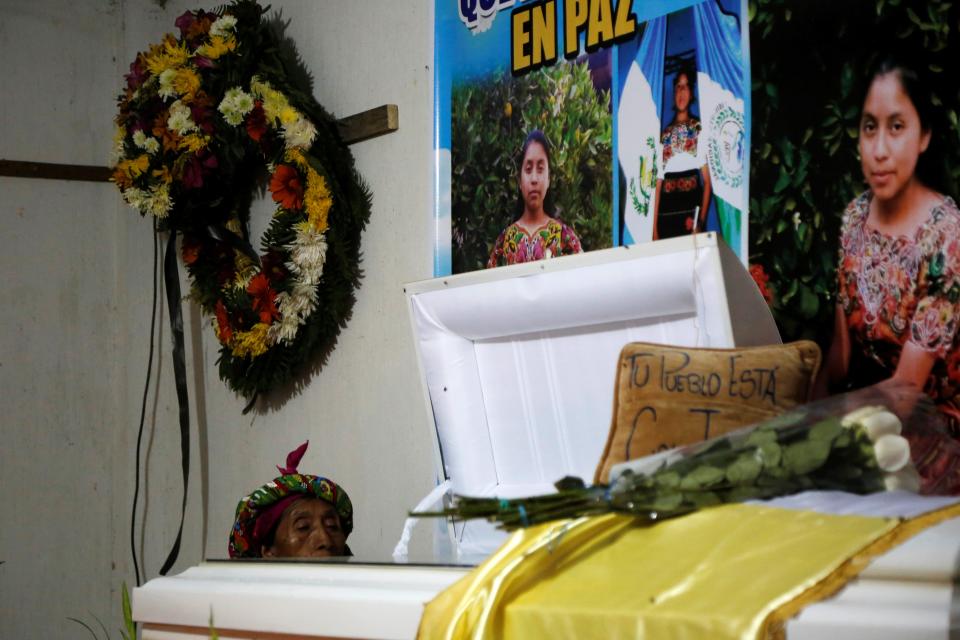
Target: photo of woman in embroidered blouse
{"points": [[899, 271], [684, 191], [535, 235]]}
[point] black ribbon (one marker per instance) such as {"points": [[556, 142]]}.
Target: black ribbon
{"points": [[172, 285]]}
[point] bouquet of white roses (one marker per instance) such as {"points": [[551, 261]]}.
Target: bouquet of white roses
{"points": [[858, 442]]}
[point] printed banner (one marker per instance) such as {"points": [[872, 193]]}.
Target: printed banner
{"points": [[564, 126]]}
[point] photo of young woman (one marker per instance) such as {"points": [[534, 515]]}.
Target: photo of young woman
{"points": [[536, 234], [899, 271], [683, 195]]}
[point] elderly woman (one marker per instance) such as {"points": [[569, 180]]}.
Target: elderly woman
{"points": [[294, 516]]}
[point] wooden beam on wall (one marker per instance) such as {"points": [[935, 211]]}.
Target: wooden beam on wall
{"points": [[51, 171], [356, 128], [369, 124]]}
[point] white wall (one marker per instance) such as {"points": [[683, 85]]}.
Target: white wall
{"points": [[78, 284], [60, 344]]}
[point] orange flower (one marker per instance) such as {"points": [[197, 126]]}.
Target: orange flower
{"points": [[264, 298], [168, 138], [286, 187], [190, 252], [121, 178]]}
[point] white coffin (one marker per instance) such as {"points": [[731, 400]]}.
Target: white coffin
{"points": [[519, 363]]}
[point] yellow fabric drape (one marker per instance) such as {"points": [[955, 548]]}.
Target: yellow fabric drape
{"points": [[736, 571]]}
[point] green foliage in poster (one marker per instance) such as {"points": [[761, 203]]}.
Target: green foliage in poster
{"points": [[490, 120], [810, 65]]}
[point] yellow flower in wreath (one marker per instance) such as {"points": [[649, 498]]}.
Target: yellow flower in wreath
{"points": [[128, 170], [186, 82], [217, 47], [317, 200], [193, 142], [169, 54], [250, 343]]}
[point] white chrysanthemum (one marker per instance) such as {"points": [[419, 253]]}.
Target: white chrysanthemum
{"points": [[306, 297], [304, 290], [235, 105], [159, 202], [300, 302], [307, 255], [145, 142], [299, 134], [294, 308], [180, 119], [166, 83], [136, 198], [285, 330], [223, 25]]}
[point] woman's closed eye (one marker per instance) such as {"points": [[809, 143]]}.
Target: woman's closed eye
{"points": [[302, 524]]}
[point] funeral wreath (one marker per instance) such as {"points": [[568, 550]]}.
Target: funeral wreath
{"points": [[208, 119]]}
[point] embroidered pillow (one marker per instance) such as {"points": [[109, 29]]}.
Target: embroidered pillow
{"points": [[666, 396]]}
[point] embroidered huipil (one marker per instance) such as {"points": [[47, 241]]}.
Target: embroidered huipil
{"points": [[895, 290], [515, 244]]}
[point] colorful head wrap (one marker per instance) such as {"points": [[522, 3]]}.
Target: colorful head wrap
{"points": [[259, 512]]}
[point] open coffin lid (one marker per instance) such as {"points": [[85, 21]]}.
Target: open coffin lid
{"points": [[518, 363]]}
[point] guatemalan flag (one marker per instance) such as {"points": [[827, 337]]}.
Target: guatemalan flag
{"points": [[722, 84], [638, 125]]}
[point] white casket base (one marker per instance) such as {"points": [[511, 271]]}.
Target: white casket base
{"points": [[910, 592], [258, 599]]}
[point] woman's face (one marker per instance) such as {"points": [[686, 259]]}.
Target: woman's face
{"points": [[681, 92], [534, 176], [309, 528], [891, 137]]}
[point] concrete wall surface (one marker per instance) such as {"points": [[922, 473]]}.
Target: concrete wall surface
{"points": [[78, 269]]}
